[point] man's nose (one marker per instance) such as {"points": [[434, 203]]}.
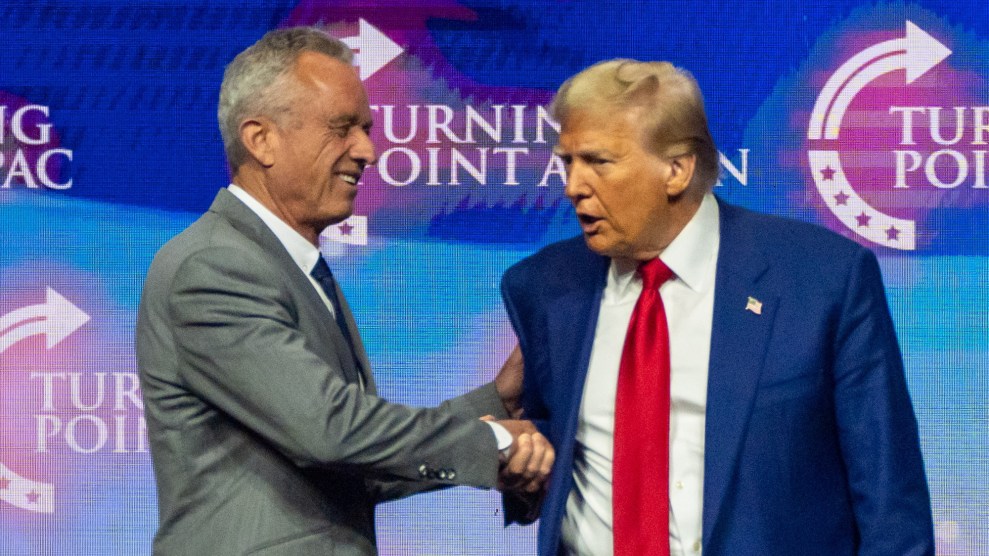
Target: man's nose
{"points": [[577, 186], [362, 150]]}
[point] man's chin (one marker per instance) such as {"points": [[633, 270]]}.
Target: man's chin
{"points": [[334, 220], [599, 244], [613, 250]]}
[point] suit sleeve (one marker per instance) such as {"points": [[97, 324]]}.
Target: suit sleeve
{"points": [[876, 423], [236, 331], [513, 290], [474, 404], [519, 507]]}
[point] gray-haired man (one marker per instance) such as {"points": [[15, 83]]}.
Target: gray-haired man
{"points": [[266, 432]]}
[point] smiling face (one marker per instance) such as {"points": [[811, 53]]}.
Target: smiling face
{"points": [[310, 159], [630, 202]]}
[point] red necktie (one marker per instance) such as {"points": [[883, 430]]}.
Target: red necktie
{"points": [[640, 475]]}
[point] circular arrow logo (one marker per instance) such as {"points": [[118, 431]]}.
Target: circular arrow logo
{"points": [[915, 53], [55, 319]]}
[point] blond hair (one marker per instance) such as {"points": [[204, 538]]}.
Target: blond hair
{"points": [[667, 101]]}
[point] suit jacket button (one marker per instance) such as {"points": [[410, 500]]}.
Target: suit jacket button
{"points": [[451, 474], [441, 474], [423, 470]]}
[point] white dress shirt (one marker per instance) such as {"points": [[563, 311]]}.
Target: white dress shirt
{"points": [[305, 254], [689, 302]]}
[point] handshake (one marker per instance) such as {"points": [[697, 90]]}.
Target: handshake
{"points": [[529, 459]]}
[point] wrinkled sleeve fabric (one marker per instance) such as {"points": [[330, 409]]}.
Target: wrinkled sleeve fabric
{"points": [[237, 334], [524, 508], [877, 429]]}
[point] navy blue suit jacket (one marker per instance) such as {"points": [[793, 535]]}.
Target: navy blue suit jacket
{"points": [[811, 443]]}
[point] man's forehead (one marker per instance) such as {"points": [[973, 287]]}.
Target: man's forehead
{"points": [[325, 77], [595, 132], [317, 70]]}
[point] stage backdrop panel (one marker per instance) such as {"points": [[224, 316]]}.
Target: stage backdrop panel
{"points": [[869, 118]]}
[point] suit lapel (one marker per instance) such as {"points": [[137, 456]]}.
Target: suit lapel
{"points": [[363, 364], [251, 225], [571, 322], [739, 339]]}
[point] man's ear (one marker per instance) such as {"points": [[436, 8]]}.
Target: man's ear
{"points": [[260, 138], [681, 173]]}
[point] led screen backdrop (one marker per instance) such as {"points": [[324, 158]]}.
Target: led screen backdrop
{"points": [[869, 118]]}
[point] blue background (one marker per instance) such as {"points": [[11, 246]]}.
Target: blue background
{"points": [[132, 92]]}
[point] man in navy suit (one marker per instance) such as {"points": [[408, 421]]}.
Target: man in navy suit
{"points": [[790, 427]]}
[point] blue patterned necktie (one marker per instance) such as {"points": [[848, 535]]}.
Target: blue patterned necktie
{"points": [[322, 274]]}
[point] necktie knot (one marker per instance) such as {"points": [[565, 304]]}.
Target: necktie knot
{"points": [[654, 273], [321, 271]]}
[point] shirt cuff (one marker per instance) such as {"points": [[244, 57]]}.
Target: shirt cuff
{"points": [[502, 437]]}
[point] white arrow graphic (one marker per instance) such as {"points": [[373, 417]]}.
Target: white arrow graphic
{"points": [[56, 318], [916, 53], [372, 49], [25, 493]]}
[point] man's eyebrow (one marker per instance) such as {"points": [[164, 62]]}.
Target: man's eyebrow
{"points": [[345, 120], [592, 153], [349, 120]]}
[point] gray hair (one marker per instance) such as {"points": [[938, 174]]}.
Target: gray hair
{"points": [[254, 82]]}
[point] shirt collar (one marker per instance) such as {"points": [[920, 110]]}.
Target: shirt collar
{"points": [[304, 254], [689, 255]]}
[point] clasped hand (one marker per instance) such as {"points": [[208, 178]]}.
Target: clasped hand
{"points": [[531, 456], [529, 460]]}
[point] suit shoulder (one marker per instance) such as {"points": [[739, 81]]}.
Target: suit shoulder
{"points": [[561, 255], [785, 238], [562, 259], [210, 241], [211, 232]]}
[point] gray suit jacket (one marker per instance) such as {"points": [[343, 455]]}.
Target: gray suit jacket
{"points": [[259, 443]]}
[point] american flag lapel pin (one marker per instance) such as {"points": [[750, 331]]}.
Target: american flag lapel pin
{"points": [[754, 305]]}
